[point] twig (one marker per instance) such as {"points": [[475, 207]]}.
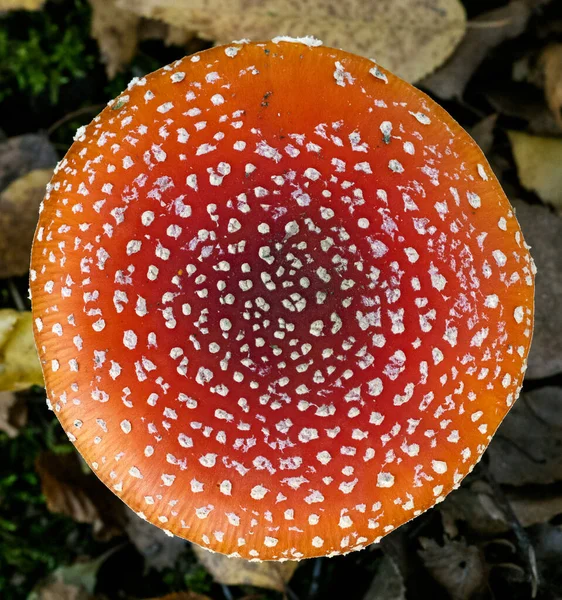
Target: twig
{"points": [[518, 530], [227, 593], [315, 584], [489, 24], [290, 594], [76, 113], [18, 300]]}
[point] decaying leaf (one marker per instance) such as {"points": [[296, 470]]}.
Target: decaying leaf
{"points": [[388, 583], [527, 447], [19, 364], [55, 589], [538, 161], [24, 153], [237, 571], [19, 208], [473, 504], [537, 505], [116, 31], [524, 102], [160, 550], [488, 31], [551, 60], [71, 491], [72, 582], [483, 132], [459, 568], [410, 37], [21, 4], [13, 413]]}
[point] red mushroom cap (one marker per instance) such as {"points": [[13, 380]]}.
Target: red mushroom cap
{"points": [[281, 301]]}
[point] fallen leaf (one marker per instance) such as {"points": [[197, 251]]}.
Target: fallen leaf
{"points": [[538, 161], [536, 505], [71, 491], [56, 589], [542, 230], [473, 504], [487, 31], [116, 31], [525, 102], [387, 583], [527, 447], [19, 209], [238, 571], [13, 413], [410, 37], [459, 568], [24, 153], [483, 132], [72, 582], [160, 550], [551, 61], [19, 364], [21, 4]]}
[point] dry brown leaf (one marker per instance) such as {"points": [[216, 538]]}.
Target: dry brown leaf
{"points": [[459, 568], [19, 363], [160, 550], [13, 413], [537, 506], [551, 60], [237, 571], [538, 161], [21, 4], [388, 583], [116, 31], [410, 37], [474, 505], [19, 208], [70, 491], [507, 22]]}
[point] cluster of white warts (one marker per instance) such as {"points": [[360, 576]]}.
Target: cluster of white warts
{"points": [[268, 273]]}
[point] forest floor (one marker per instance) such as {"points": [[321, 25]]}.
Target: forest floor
{"points": [[499, 536]]}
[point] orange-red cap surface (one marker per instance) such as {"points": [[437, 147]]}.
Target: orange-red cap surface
{"points": [[281, 301]]}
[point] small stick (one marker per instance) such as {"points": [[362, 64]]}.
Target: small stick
{"points": [[314, 586], [520, 533], [72, 115], [227, 593], [18, 300]]}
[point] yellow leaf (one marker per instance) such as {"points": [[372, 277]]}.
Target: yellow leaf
{"points": [[19, 364], [409, 37], [238, 571], [538, 161], [21, 4]]}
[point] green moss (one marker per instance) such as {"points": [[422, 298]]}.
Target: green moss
{"points": [[42, 51]]}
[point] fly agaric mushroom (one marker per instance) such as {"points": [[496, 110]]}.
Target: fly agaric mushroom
{"points": [[281, 301]]}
